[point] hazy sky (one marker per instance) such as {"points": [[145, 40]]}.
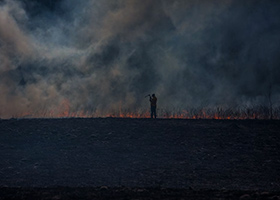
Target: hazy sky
{"points": [[101, 56]]}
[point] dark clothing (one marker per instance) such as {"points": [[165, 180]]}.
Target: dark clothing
{"points": [[153, 101], [153, 111]]}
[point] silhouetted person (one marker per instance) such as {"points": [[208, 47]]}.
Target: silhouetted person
{"points": [[153, 101]]}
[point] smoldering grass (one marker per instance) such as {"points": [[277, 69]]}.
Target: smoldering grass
{"points": [[223, 113]]}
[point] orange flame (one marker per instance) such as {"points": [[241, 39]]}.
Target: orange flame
{"points": [[64, 111]]}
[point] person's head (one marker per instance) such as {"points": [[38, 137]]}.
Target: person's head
{"points": [[153, 95]]}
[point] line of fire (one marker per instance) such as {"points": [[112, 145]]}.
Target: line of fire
{"points": [[255, 112]]}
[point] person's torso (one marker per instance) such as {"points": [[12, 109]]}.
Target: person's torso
{"points": [[154, 101]]}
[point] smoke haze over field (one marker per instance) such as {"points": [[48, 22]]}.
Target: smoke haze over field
{"points": [[100, 56]]}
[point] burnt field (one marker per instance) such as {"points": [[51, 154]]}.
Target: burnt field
{"points": [[117, 158]]}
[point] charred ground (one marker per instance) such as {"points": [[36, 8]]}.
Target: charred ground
{"points": [[229, 158]]}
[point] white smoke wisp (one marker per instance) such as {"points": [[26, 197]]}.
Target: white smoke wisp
{"points": [[100, 58]]}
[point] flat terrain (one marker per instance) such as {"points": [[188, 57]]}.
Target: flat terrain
{"points": [[112, 154]]}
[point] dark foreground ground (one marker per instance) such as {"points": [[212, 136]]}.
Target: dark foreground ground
{"points": [[139, 159]]}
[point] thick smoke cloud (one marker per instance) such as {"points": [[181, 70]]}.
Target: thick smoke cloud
{"points": [[100, 57]]}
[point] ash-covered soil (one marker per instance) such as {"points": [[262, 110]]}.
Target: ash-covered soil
{"points": [[195, 157]]}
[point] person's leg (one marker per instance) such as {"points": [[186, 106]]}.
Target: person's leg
{"points": [[155, 112]]}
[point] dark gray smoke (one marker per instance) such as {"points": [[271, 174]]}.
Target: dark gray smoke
{"points": [[101, 57]]}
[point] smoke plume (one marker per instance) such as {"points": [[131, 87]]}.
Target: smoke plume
{"points": [[103, 57]]}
